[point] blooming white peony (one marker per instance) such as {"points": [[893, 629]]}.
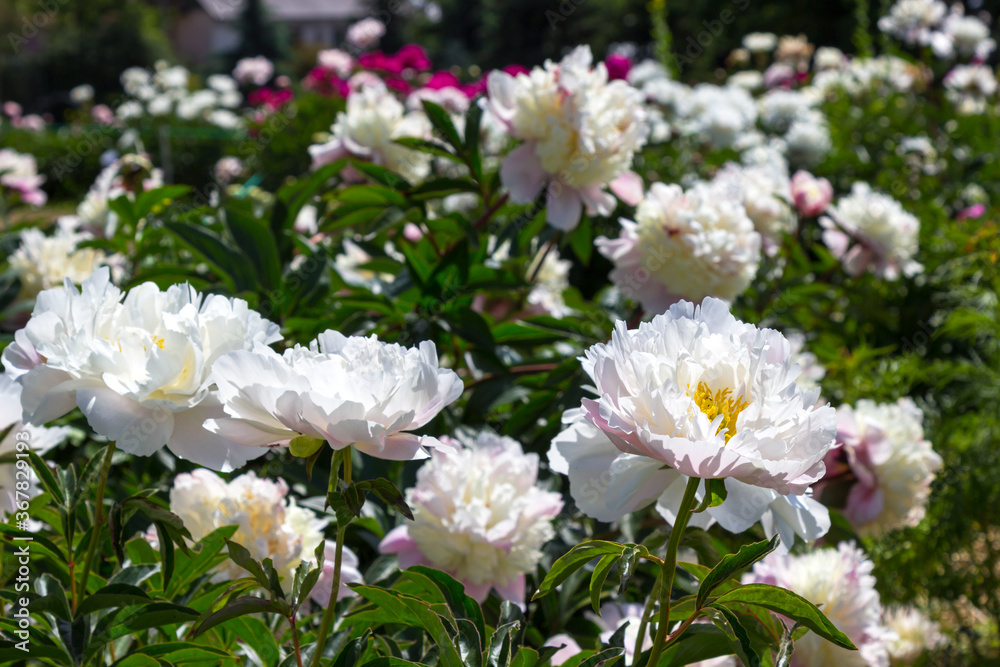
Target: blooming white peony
{"points": [[892, 462], [43, 262], [885, 235], [912, 20], [840, 582], [18, 439], [607, 484], [765, 191], [970, 88], [962, 35], [711, 397], [808, 140], [137, 368], [684, 245], [580, 133], [257, 71], [479, 516], [368, 129], [720, 115], [350, 391], [915, 634], [270, 524]]}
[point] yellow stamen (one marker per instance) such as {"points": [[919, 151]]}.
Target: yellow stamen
{"points": [[720, 403], [159, 341]]}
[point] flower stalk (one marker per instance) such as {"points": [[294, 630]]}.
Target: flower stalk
{"points": [[95, 537]]}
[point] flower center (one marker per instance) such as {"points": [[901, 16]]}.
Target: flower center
{"points": [[159, 341], [720, 403]]}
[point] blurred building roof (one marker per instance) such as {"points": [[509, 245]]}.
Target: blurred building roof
{"points": [[288, 10]]}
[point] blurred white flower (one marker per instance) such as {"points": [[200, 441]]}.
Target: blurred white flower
{"points": [[711, 397], [222, 83], [765, 191], [175, 77], [257, 71], [840, 582], [137, 368], [720, 115], [478, 515], [43, 262], [350, 391], [82, 94], [368, 129], [749, 80], [612, 617], [568, 650], [883, 233], [965, 36], [336, 61], [126, 176], [134, 78], [892, 462], [580, 133], [228, 169], [19, 174], [808, 140], [760, 42], [349, 265], [365, 33], [811, 370], [829, 57], [912, 20], [684, 245], [970, 88], [915, 634], [551, 281]]}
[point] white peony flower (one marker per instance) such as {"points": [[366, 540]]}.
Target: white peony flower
{"points": [[962, 35], [270, 524], [839, 581], [339, 62], [829, 57], [257, 71], [808, 140], [912, 20], [550, 283], [607, 484], [19, 175], [711, 397], [43, 262], [365, 33], [137, 368], [892, 462], [915, 634], [748, 80], [760, 42], [15, 438], [765, 191], [812, 371], [82, 94], [884, 234], [479, 516], [779, 108], [368, 129], [350, 391], [970, 88], [349, 265], [580, 133], [128, 175], [720, 115], [684, 245]]}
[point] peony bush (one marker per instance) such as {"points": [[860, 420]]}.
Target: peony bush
{"points": [[581, 364]]}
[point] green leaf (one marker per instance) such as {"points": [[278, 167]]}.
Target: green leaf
{"points": [[788, 604], [461, 605], [441, 121], [473, 120], [166, 552], [715, 494], [381, 175], [431, 147], [576, 558], [598, 578], [305, 446], [225, 259], [353, 651], [469, 325], [240, 555], [113, 596], [501, 646], [729, 623], [254, 238], [157, 615], [389, 494], [240, 606], [626, 566], [581, 240], [699, 642], [184, 652], [48, 480], [733, 563], [148, 200], [469, 643]]}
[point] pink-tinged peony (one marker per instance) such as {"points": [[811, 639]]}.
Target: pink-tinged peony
{"points": [[891, 462], [579, 132], [618, 66], [871, 231], [607, 484], [365, 33], [839, 581], [710, 396], [349, 574], [811, 195], [256, 71], [136, 365], [684, 244], [350, 391], [19, 176], [336, 61], [102, 114], [12, 109], [478, 515], [368, 129]]}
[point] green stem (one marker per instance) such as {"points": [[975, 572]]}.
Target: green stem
{"points": [[95, 537], [343, 456], [646, 614], [670, 566]]}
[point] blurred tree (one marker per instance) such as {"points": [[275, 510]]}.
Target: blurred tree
{"points": [[259, 37]]}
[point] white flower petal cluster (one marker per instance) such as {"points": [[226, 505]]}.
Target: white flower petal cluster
{"points": [[812, 371], [257, 71], [478, 515], [43, 262], [684, 244], [861, 75], [349, 266], [970, 88], [965, 36], [912, 21], [607, 483], [166, 91], [580, 133], [760, 42], [766, 194], [136, 365], [19, 174], [551, 281], [893, 463], [720, 115], [271, 525], [365, 33], [711, 397], [915, 634], [868, 230], [19, 438], [840, 582], [128, 175], [368, 129], [350, 391], [948, 34]]}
